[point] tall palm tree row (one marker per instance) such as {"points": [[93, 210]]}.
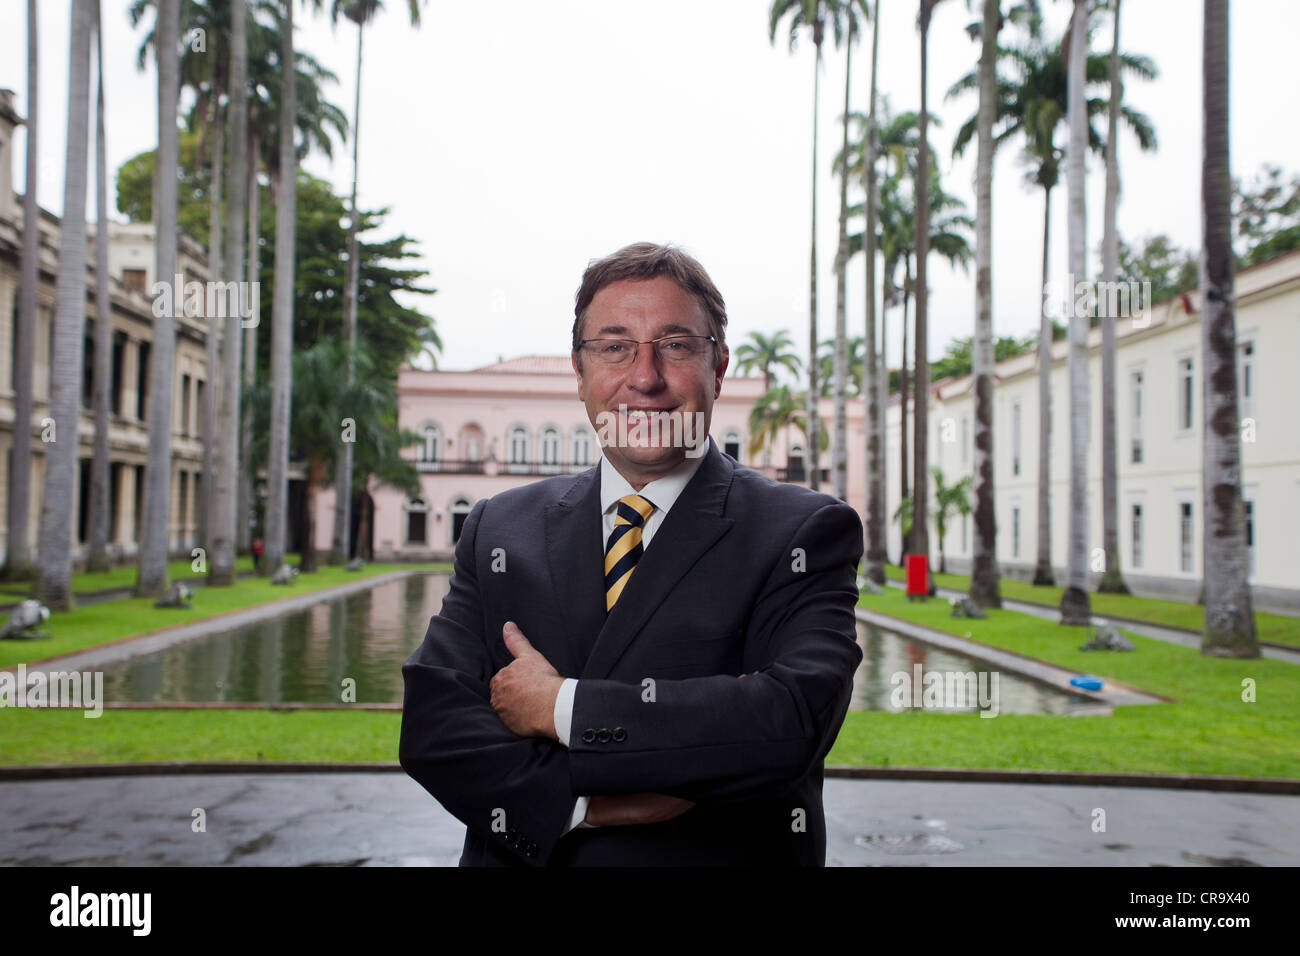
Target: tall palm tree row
{"points": [[359, 12], [282, 312], [811, 14], [99, 558], [874, 555], [1229, 627], [224, 515], [54, 570], [18, 510]]}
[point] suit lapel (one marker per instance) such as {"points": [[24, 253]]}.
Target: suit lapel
{"points": [[576, 560], [690, 529]]}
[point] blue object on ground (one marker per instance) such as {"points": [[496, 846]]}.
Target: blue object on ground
{"points": [[1087, 682]]}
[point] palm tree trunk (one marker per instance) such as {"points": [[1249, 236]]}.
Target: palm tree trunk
{"points": [[225, 491], [1112, 580], [18, 556], [875, 555], [244, 507], [813, 393], [282, 319], [1229, 617], [904, 479], [984, 584], [98, 559], [839, 372], [921, 364], [340, 550], [1043, 567], [208, 411], [315, 473], [1075, 604], [54, 558]]}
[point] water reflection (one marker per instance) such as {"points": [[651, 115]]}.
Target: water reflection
{"points": [[305, 656]]}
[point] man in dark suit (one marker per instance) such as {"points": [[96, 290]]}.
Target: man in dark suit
{"points": [[645, 663]]}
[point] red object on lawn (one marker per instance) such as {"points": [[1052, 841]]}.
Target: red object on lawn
{"points": [[916, 576]]}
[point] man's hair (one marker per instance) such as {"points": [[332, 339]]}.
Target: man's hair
{"points": [[647, 260]]}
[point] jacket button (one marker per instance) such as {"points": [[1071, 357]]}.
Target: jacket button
{"points": [[603, 736], [620, 735], [588, 735]]}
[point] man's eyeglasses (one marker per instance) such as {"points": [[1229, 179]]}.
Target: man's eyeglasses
{"points": [[670, 348]]}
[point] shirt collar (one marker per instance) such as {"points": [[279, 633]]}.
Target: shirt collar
{"points": [[663, 492]]}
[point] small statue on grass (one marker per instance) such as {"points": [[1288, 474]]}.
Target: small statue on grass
{"points": [[1107, 638], [22, 623], [965, 607], [285, 575], [177, 596]]}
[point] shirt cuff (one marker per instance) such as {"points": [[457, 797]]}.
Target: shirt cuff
{"points": [[563, 713], [577, 821]]}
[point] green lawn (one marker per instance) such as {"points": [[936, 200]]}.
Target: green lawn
{"points": [[1208, 730], [123, 576], [94, 624], [1278, 628]]}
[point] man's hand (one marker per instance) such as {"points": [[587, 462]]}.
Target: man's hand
{"points": [[524, 692], [629, 809]]}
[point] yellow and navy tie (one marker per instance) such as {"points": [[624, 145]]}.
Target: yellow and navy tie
{"points": [[624, 547]]}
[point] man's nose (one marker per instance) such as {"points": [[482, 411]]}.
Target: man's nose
{"points": [[645, 374]]}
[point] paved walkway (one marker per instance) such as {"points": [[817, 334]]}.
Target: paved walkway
{"points": [[386, 819]]}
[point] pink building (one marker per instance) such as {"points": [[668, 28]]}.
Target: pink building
{"points": [[493, 428]]}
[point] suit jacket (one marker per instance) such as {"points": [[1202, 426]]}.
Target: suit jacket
{"points": [[744, 575]]}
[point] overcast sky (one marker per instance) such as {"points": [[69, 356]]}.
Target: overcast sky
{"points": [[515, 141]]}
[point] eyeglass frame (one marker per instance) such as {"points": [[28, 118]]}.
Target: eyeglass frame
{"points": [[640, 342]]}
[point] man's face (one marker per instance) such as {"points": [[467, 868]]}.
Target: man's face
{"points": [[643, 310]]}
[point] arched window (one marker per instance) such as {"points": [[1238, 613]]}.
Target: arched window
{"points": [[471, 443], [550, 449], [580, 450], [460, 509], [794, 464], [517, 457], [731, 443], [430, 448], [417, 521]]}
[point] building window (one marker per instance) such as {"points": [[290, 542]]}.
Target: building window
{"points": [[182, 504], [1136, 559], [430, 448], [1015, 438], [417, 521], [794, 464], [142, 384], [1015, 531], [518, 454], [471, 443], [185, 404], [134, 279], [1245, 378], [581, 449], [550, 449], [119, 352], [88, 369], [731, 444], [1185, 393], [1250, 536], [1185, 531], [460, 509], [1135, 424]]}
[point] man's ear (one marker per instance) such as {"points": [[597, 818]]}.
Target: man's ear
{"points": [[720, 371], [573, 360]]}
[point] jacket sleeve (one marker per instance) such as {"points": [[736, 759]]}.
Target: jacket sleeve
{"points": [[512, 791], [723, 738]]}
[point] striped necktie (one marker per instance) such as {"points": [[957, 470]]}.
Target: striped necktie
{"points": [[624, 547]]}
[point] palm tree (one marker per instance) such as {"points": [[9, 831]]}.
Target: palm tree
{"points": [[54, 558], [1033, 100], [151, 577], [948, 499], [1075, 604], [874, 558], [848, 12], [811, 14], [18, 512], [224, 514], [1229, 629], [984, 580], [98, 559], [853, 360], [762, 353], [359, 12], [282, 314]]}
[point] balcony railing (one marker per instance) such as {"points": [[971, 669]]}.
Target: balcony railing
{"points": [[460, 467]]}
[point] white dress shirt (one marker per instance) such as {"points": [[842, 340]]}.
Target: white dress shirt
{"points": [[662, 493]]}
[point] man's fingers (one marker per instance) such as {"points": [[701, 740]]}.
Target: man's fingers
{"points": [[516, 643]]}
